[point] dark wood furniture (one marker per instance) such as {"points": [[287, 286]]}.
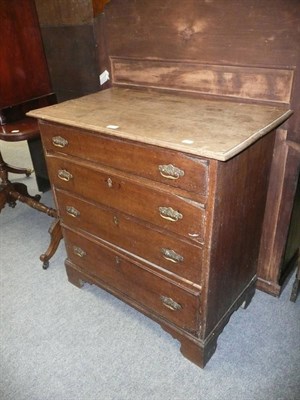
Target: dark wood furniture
{"points": [[24, 78], [24, 85], [161, 199], [281, 234], [219, 34]]}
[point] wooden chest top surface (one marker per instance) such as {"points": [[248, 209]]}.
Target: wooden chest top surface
{"points": [[208, 128]]}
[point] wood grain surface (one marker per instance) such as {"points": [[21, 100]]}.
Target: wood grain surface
{"points": [[208, 128], [242, 82]]}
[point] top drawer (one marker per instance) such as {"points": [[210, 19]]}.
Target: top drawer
{"points": [[162, 165]]}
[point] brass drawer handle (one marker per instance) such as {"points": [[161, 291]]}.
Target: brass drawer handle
{"points": [[59, 141], [171, 255], [72, 211], [64, 175], [170, 214], [79, 252], [170, 303], [170, 172]]}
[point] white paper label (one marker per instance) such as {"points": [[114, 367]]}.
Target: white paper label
{"points": [[104, 77], [112, 126], [187, 141]]}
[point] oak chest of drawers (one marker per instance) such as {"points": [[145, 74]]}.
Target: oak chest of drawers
{"points": [[161, 207]]}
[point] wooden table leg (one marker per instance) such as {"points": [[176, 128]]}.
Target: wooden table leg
{"points": [[56, 236]]}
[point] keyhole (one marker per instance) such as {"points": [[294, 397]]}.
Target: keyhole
{"points": [[109, 182], [116, 221]]}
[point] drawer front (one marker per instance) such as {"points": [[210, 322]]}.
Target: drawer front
{"points": [[161, 165], [163, 209], [174, 255], [154, 292]]}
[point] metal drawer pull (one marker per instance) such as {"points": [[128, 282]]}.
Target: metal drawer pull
{"points": [[64, 175], [170, 214], [79, 252], [72, 211], [170, 303], [59, 141], [170, 172], [171, 255]]}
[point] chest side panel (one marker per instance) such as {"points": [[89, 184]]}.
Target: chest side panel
{"points": [[239, 206]]}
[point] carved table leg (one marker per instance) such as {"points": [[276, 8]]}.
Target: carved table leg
{"points": [[30, 200], [56, 236], [23, 191]]}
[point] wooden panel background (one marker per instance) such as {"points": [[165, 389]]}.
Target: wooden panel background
{"points": [[251, 83], [64, 12], [68, 34], [254, 33]]}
